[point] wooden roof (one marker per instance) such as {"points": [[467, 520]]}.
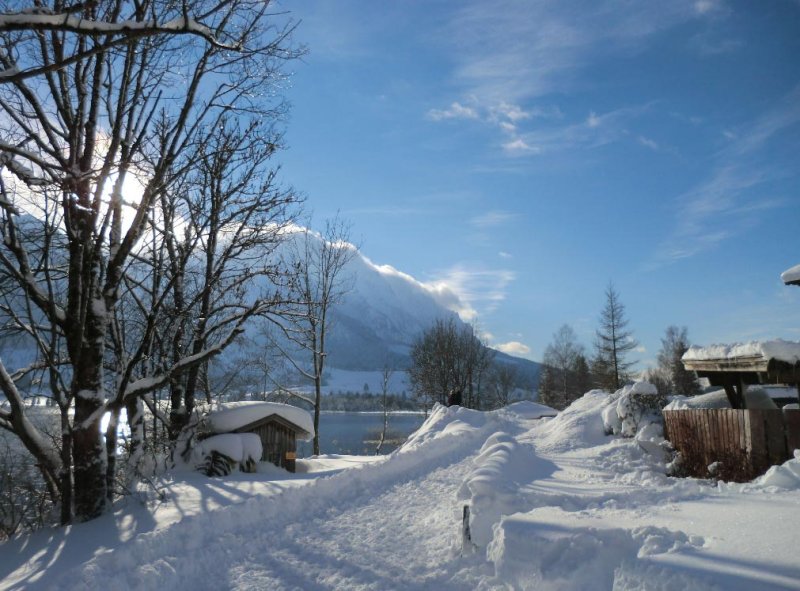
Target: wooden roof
{"points": [[755, 369]]}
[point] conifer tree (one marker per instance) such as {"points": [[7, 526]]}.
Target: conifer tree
{"points": [[610, 367]]}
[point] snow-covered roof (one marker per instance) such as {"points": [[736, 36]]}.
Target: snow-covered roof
{"points": [[230, 416], [791, 275], [787, 351]]}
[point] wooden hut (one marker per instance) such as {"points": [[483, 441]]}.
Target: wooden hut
{"points": [[279, 426]]}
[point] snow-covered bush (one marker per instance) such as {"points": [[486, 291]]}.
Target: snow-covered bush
{"points": [[221, 454], [633, 407]]}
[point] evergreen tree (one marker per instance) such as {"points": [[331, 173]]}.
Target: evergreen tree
{"points": [[582, 377], [613, 343]]}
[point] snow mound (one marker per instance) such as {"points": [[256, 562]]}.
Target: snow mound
{"points": [[569, 556], [578, 426], [446, 421], [787, 475], [531, 410], [492, 487], [230, 416], [788, 351]]}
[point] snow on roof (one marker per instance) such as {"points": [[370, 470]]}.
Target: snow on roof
{"points": [[788, 351], [230, 416], [791, 275]]}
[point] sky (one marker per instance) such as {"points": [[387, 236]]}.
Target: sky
{"points": [[528, 154]]}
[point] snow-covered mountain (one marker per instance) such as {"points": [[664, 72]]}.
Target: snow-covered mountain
{"points": [[382, 314]]}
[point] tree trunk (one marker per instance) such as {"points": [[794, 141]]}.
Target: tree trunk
{"points": [[88, 456]]}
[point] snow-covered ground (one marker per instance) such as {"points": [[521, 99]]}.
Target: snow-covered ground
{"points": [[555, 504]]}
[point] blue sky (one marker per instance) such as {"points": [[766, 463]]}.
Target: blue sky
{"points": [[527, 153]]}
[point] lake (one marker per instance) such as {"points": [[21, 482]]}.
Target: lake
{"points": [[358, 433]]}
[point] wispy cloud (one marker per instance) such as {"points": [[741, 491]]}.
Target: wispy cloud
{"points": [[508, 51], [455, 111], [648, 143], [479, 289], [492, 219], [727, 203], [511, 56]]}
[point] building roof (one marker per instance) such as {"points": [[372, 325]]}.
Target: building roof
{"points": [[235, 416]]}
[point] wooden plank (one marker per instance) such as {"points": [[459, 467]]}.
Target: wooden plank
{"points": [[758, 441], [791, 419], [776, 442]]}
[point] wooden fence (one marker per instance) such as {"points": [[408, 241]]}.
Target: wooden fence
{"points": [[743, 443]]}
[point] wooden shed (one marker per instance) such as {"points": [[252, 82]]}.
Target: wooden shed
{"points": [[278, 426], [740, 443]]}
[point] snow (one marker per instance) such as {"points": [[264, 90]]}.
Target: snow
{"points": [[788, 351], [791, 275], [556, 504], [756, 398], [230, 416]]}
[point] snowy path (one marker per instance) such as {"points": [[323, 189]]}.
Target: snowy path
{"points": [[402, 538], [391, 525]]}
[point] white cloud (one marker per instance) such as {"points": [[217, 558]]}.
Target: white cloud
{"points": [[593, 120], [504, 255], [519, 146], [514, 348], [455, 111]]}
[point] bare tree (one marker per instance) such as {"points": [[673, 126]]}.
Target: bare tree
{"points": [[503, 378], [673, 345], [613, 343], [386, 375], [449, 358], [564, 375], [317, 284], [90, 96]]}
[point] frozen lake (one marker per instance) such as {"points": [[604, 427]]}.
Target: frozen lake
{"points": [[357, 433]]}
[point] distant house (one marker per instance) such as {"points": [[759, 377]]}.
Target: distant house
{"points": [[278, 426]]}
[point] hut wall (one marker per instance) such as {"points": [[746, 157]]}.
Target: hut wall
{"points": [[279, 443]]}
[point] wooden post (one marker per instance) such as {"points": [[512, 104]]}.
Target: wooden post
{"points": [[742, 389], [730, 392], [467, 547]]}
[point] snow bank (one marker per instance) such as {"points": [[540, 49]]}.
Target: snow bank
{"points": [[577, 426], [791, 275], [492, 488], [788, 351], [230, 416], [565, 555], [787, 475]]}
